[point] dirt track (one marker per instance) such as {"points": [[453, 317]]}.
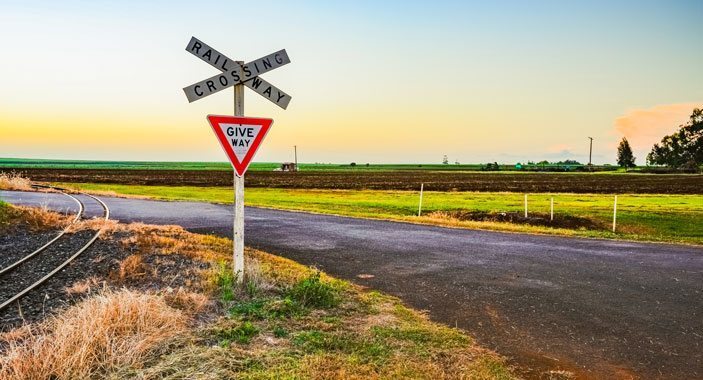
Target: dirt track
{"points": [[392, 180]]}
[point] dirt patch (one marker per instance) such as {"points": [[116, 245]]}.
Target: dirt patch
{"points": [[390, 180], [533, 219]]}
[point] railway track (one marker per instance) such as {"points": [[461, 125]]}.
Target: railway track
{"points": [[28, 268]]}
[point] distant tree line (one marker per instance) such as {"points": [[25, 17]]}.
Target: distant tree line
{"points": [[684, 148], [546, 163]]}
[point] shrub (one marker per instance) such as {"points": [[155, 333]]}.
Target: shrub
{"points": [[312, 292]]}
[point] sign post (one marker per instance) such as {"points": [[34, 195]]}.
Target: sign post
{"points": [[238, 233], [239, 136]]}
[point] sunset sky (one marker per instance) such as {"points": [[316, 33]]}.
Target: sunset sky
{"points": [[391, 82]]}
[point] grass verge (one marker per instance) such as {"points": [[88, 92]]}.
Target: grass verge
{"points": [[642, 217], [286, 321]]}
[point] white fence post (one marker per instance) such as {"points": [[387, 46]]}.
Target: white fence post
{"points": [[615, 212], [419, 207], [551, 210], [525, 205]]}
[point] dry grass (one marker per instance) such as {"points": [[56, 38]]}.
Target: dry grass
{"points": [[95, 224], [133, 267], [83, 286], [34, 219], [93, 338], [189, 302], [149, 239], [560, 375], [14, 181], [41, 218]]}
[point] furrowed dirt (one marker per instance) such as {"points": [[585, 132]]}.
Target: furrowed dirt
{"points": [[391, 180]]}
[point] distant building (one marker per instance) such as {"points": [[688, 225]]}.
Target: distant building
{"points": [[289, 167]]}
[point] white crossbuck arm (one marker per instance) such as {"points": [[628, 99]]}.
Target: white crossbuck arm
{"points": [[232, 73]]}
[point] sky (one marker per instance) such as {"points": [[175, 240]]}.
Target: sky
{"points": [[377, 82]]}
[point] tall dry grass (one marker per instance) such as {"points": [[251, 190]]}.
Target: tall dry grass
{"points": [[33, 218], [89, 340], [14, 181], [41, 218]]}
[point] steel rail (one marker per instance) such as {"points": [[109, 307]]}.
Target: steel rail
{"points": [[64, 264], [43, 247]]}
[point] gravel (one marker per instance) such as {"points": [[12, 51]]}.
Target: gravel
{"points": [[98, 266], [17, 243]]}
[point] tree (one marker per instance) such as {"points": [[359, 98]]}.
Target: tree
{"points": [[568, 162], [684, 148], [625, 157], [445, 160]]}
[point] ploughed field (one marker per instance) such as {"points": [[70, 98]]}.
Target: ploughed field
{"points": [[609, 183]]}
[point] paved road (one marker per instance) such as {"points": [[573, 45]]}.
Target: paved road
{"points": [[602, 308]]}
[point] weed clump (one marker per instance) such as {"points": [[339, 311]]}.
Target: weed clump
{"points": [[224, 280], [242, 334], [313, 292]]}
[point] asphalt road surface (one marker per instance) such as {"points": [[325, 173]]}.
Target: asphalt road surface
{"points": [[600, 308]]}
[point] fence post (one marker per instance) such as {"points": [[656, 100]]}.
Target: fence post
{"points": [[419, 207], [615, 212], [551, 210], [525, 206]]}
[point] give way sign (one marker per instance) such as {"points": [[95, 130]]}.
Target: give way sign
{"points": [[240, 138]]}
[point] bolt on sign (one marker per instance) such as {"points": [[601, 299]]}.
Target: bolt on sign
{"points": [[239, 136]]}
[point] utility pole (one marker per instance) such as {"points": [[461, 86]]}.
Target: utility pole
{"points": [[590, 152], [295, 152]]}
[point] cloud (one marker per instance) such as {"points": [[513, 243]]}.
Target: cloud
{"points": [[560, 149], [645, 127]]}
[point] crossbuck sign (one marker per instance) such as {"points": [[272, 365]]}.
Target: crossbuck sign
{"points": [[233, 74]]}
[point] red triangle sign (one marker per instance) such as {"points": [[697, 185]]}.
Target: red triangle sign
{"points": [[240, 137]]}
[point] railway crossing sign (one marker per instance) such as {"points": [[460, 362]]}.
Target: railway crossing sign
{"points": [[234, 73], [240, 138]]}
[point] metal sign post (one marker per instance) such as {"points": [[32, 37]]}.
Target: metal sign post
{"points": [[239, 136]]}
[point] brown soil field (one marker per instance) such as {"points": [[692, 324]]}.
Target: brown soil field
{"points": [[391, 180], [534, 219]]}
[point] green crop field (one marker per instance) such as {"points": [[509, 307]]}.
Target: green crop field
{"points": [[647, 217], [23, 163]]}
